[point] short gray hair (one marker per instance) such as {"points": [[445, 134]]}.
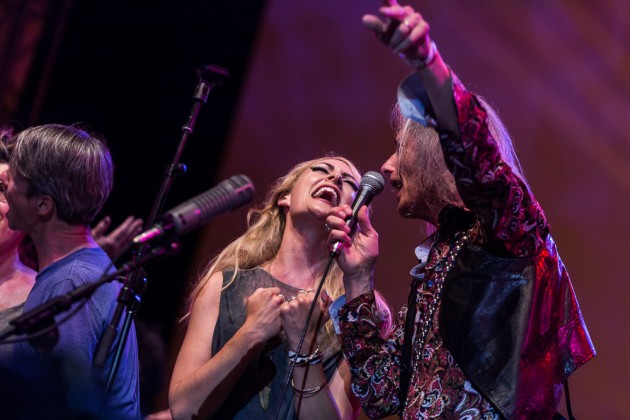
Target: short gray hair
{"points": [[67, 163]]}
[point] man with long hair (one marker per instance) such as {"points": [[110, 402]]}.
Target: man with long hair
{"points": [[492, 329]]}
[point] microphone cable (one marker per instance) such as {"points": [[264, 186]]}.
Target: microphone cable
{"points": [[331, 259]]}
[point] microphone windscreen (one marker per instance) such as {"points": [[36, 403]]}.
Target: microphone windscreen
{"points": [[374, 181]]}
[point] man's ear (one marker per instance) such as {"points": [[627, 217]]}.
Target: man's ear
{"points": [[45, 205], [285, 201]]}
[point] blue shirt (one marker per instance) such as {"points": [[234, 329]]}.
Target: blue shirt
{"points": [[63, 381]]}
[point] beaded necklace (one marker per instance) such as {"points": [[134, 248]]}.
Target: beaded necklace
{"points": [[441, 268]]}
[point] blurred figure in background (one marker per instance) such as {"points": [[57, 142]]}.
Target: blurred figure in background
{"points": [[16, 276]]}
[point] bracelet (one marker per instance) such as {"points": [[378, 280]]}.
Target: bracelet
{"points": [[298, 359], [308, 392], [429, 59]]}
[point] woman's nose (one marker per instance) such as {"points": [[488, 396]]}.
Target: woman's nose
{"points": [[335, 177]]}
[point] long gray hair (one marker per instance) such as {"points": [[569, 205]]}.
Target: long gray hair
{"points": [[434, 178]]}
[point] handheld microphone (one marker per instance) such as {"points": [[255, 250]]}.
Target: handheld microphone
{"points": [[370, 186], [227, 195]]}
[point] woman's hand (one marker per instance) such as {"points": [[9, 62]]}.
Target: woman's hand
{"points": [[359, 254], [263, 313], [293, 315], [202, 380]]}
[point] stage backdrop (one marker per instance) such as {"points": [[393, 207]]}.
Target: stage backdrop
{"points": [[558, 72]]}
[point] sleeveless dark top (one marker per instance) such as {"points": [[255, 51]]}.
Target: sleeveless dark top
{"points": [[258, 393]]}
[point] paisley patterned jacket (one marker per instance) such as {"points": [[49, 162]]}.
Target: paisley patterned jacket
{"points": [[498, 327]]}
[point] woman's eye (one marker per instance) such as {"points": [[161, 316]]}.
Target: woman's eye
{"points": [[320, 169], [352, 185]]}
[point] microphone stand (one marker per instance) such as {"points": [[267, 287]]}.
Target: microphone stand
{"points": [[331, 259], [134, 285]]}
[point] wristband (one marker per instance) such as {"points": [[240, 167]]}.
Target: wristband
{"points": [[429, 59], [298, 359]]}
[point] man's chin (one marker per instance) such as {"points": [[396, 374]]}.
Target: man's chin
{"points": [[405, 211]]}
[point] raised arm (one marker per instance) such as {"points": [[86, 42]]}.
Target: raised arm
{"points": [[477, 148], [201, 380], [406, 33]]}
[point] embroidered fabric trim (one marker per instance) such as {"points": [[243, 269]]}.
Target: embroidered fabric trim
{"points": [[449, 260]]}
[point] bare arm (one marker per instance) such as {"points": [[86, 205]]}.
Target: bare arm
{"points": [[341, 388], [201, 381]]}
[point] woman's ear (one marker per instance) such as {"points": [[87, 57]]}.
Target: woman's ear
{"points": [[285, 201]]}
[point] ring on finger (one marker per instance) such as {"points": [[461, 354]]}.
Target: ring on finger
{"points": [[291, 298], [410, 21], [327, 227], [281, 296]]}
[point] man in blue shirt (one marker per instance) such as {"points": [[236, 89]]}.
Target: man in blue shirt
{"points": [[59, 177]]}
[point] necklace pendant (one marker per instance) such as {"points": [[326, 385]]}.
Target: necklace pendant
{"points": [[263, 396]]}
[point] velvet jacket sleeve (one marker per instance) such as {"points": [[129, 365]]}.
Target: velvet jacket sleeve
{"points": [[489, 183]]}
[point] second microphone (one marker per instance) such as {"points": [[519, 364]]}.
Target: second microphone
{"points": [[229, 194]]}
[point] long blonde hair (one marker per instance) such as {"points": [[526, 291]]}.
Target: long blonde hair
{"points": [[261, 242]]}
